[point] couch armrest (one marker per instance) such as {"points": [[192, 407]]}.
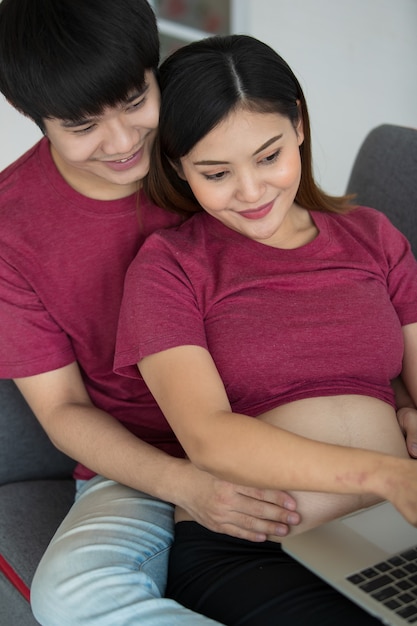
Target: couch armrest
{"points": [[26, 452]]}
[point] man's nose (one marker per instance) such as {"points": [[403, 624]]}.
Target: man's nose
{"points": [[120, 138]]}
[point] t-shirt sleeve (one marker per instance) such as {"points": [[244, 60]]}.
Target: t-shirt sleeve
{"points": [[31, 341], [160, 308], [402, 272]]}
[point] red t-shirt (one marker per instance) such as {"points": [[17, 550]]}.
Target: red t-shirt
{"points": [[63, 259], [282, 325]]}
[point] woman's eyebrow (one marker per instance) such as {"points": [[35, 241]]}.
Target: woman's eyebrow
{"points": [[268, 143], [263, 147]]}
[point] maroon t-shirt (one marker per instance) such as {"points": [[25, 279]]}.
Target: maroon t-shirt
{"points": [[281, 325], [63, 259]]}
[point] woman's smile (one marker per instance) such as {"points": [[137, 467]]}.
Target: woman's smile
{"points": [[259, 213]]}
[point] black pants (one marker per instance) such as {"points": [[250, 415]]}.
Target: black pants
{"points": [[240, 583]]}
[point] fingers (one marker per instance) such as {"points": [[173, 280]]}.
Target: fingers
{"points": [[279, 498], [259, 514], [256, 529], [243, 512], [407, 418], [260, 532]]}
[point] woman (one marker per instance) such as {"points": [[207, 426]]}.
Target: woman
{"points": [[275, 301]]}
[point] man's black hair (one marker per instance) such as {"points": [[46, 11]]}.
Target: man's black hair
{"points": [[69, 59]]}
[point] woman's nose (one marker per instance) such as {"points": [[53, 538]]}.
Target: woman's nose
{"points": [[250, 188]]}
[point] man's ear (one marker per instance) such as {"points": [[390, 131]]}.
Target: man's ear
{"points": [[176, 165]]}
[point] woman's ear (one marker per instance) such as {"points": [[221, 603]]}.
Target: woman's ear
{"points": [[176, 165], [299, 127]]}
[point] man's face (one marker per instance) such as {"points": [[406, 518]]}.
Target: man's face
{"points": [[104, 157]]}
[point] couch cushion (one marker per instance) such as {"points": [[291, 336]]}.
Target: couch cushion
{"points": [[14, 609], [30, 513], [384, 176], [25, 450]]}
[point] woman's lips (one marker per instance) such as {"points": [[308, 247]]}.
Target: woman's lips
{"points": [[257, 214]]}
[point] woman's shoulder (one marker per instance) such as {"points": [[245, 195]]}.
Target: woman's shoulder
{"points": [[369, 228], [364, 219]]}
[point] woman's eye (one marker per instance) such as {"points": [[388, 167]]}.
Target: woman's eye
{"points": [[271, 158], [216, 176]]}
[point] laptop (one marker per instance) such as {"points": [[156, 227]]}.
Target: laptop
{"points": [[370, 556]]}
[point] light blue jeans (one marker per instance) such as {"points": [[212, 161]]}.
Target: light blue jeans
{"points": [[107, 563]]}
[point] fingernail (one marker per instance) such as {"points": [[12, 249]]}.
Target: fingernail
{"points": [[290, 505], [281, 531]]}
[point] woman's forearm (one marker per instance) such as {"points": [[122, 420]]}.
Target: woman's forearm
{"points": [[258, 454]]}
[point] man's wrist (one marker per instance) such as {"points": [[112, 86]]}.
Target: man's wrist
{"points": [[171, 484]]}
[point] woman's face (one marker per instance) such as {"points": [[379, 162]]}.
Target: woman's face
{"points": [[246, 173]]}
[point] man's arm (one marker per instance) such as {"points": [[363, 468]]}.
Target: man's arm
{"points": [[98, 441]]}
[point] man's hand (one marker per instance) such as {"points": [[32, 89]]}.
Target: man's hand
{"points": [[243, 512], [406, 415], [407, 419]]}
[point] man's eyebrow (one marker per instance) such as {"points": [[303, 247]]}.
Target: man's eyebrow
{"points": [[75, 123], [137, 93], [260, 149], [90, 120]]}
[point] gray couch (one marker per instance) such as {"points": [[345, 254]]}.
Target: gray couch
{"points": [[384, 176], [36, 491], [36, 488]]}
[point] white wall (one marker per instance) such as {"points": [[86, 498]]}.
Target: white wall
{"points": [[356, 61], [17, 133]]}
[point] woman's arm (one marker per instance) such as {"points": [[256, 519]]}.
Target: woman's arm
{"points": [[242, 449]]}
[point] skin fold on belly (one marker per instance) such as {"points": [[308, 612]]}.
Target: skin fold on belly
{"points": [[347, 420]]}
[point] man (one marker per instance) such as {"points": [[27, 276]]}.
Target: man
{"points": [[72, 217]]}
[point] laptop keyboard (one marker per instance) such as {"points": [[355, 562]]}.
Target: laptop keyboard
{"points": [[393, 583]]}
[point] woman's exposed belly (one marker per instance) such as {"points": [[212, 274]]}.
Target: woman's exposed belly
{"points": [[353, 421]]}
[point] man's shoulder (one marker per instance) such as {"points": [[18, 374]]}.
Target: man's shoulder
{"points": [[184, 233], [155, 219], [23, 161], [18, 176]]}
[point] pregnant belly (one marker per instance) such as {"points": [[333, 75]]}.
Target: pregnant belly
{"points": [[353, 421]]}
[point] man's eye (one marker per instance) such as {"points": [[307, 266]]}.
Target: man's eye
{"points": [[137, 104], [83, 131]]}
